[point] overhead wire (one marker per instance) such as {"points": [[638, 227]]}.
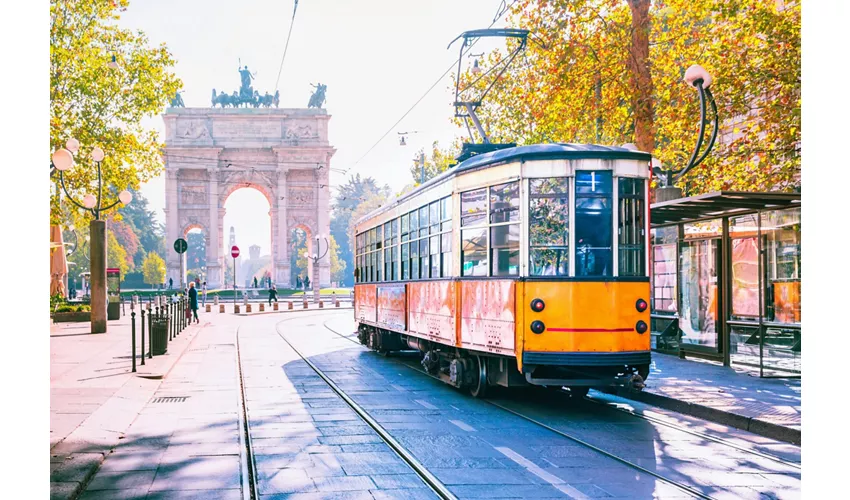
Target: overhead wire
{"points": [[499, 15], [286, 47]]}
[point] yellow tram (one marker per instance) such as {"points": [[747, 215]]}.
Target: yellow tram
{"points": [[525, 265]]}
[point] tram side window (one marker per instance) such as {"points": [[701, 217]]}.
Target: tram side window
{"points": [[414, 260], [388, 261], [549, 227], [405, 227], [394, 266], [473, 207], [632, 227], [379, 265], [446, 245], [405, 262], [424, 268], [504, 239], [473, 252], [434, 247], [593, 223], [423, 221]]}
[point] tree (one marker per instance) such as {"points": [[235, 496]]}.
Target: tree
{"points": [[196, 255], [103, 106], [439, 161], [337, 265], [570, 84], [116, 256], [153, 269], [142, 220], [126, 237], [368, 205], [350, 196]]}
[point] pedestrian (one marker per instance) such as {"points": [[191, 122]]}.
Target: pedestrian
{"points": [[193, 302], [272, 294], [204, 289], [170, 283]]}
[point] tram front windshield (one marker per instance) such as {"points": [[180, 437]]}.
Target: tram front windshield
{"points": [[593, 223]]}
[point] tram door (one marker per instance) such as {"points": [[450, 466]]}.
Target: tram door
{"points": [[699, 267]]}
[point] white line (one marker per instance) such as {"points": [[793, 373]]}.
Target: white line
{"points": [[426, 404], [555, 481], [400, 389], [463, 425]]}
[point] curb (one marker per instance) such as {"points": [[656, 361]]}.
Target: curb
{"points": [[293, 311], [750, 424]]}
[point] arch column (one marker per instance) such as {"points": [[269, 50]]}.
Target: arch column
{"points": [[280, 232], [215, 271], [172, 223]]}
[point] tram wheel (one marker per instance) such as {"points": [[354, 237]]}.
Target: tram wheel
{"points": [[479, 386], [578, 392], [643, 371]]}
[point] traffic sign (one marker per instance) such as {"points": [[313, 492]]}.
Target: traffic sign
{"points": [[180, 245], [234, 251]]}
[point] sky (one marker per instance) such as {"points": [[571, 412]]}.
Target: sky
{"points": [[377, 58]]}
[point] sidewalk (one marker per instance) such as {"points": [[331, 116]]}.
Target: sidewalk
{"points": [[768, 407], [94, 397]]}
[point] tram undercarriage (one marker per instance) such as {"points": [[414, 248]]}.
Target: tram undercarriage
{"points": [[477, 371]]}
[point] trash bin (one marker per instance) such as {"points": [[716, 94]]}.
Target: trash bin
{"points": [[159, 335], [113, 308]]}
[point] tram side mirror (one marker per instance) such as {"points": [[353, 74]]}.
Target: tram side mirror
{"points": [[697, 72]]}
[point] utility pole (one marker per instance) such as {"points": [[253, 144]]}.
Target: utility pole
{"points": [[422, 167]]}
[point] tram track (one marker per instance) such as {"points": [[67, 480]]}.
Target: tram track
{"points": [[420, 470], [683, 487]]}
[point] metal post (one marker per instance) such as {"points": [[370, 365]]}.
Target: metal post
{"points": [[422, 167], [234, 283], [143, 336], [150, 331], [133, 335]]}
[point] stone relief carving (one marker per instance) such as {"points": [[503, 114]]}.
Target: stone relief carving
{"points": [[302, 175], [187, 220], [301, 195], [299, 219], [194, 195], [194, 130], [299, 131]]}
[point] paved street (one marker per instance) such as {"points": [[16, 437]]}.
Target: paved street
{"points": [[183, 436]]}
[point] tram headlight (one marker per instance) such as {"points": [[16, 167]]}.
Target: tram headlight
{"points": [[640, 305], [537, 326], [537, 305], [641, 326]]}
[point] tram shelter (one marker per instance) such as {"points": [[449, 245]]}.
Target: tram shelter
{"points": [[712, 296]]}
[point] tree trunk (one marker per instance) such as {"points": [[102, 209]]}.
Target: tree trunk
{"points": [[641, 78]]}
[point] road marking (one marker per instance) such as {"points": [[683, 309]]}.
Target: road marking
{"points": [[400, 389], [555, 481], [463, 425], [425, 404], [455, 408]]}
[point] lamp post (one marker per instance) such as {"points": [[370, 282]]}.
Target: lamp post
{"points": [[316, 258], [700, 79], [63, 159]]}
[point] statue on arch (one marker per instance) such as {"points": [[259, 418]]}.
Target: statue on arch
{"points": [[177, 101], [318, 97]]}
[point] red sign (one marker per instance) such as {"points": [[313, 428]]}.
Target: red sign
{"points": [[234, 251]]}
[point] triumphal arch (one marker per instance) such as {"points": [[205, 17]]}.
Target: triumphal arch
{"points": [[283, 153]]}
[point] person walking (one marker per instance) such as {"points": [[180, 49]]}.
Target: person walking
{"points": [[193, 301], [170, 283], [272, 294], [204, 294]]}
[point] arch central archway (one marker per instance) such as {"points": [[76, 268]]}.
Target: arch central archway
{"points": [[211, 153], [250, 223]]}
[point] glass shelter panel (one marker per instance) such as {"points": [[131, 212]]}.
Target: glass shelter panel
{"points": [[698, 316], [664, 279]]}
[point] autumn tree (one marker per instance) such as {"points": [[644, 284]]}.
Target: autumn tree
{"points": [[103, 104], [436, 162], [116, 256], [126, 237], [611, 71], [349, 196], [338, 265], [153, 269]]}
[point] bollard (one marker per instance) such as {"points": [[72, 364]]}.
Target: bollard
{"points": [[209, 308], [290, 305], [221, 308], [143, 336], [247, 308], [262, 307], [336, 303], [150, 331], [133, 335], [275, 306], [305, 304], [235, 308], [321, 305], [169, 317]]}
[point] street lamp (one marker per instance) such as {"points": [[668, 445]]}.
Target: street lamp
{"points": [[63, 159], [316, 258], [700, 79]]}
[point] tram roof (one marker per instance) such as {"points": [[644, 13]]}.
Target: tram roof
{"points": [[718, 204], [535, 151]]}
